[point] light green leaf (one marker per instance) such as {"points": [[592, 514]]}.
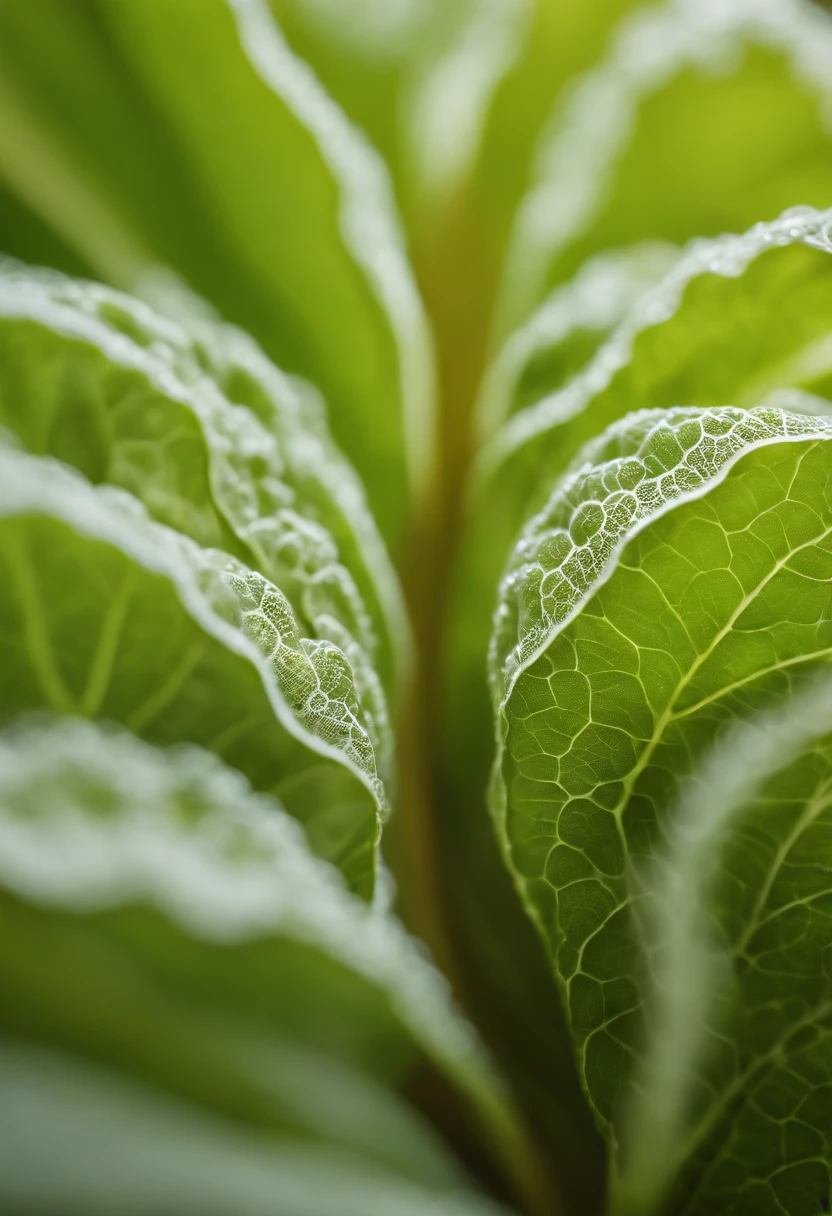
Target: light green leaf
{"points": [[563, 334], [734, 912], [676, 582], [92, 377], [108, 614], [735, 319], [81, 1142], [22, 230], [452, 92], [95, 820], [558, 42], [418, 78], [450, 101], [163, 920], [235, 168], [703, 119]]}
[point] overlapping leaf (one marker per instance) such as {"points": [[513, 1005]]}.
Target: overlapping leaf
{"points": [[109, 614], [703, 119], [418, 78], [233, 167], [163, 921], [563, 334], [454, 94], [715, 329], [734, 320], [216, 442], [675, 583]]}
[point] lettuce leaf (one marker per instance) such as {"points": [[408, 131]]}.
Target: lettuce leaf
{"points": [[216, 442], [108, 614], [171, 927], [676, 581], [735, 319]]}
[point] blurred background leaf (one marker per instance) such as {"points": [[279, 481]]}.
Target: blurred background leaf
{"points": [[234, 168], [162, 920]]}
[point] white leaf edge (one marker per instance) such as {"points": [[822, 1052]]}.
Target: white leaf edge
{"points": [[598, 298], [725, 435], [726, 256], [69, 860], [31, 485], [447, 107]]}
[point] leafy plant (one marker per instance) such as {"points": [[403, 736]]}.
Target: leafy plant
{"points": [[415, 558]]}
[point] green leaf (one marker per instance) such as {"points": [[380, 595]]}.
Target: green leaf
{"points": [[735, 319], [552, 45], [734, 915], [363, 52], [452, 92], [162, 920], [79, 1141], [108, 614], [676, 581], [108, 1144], [449, 102], [234, 168], [564, 333], [92, 377], [702, 119]]}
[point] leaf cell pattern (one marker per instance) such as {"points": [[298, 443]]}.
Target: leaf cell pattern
{"points": [[286, 713]]}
